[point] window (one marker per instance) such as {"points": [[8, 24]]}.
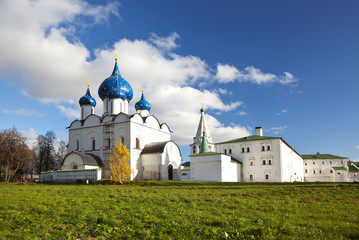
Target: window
{"points": [[225, 151], [341, 162], [263, 148], [331, 171], [123, 140], [264, 162], [320, 171], [313, 171], [306, 170], [77, 145], [306, 164], [251, 163], [267, 176], [230, 151], [137, 143], [93, 144], [250, 177], [268, 148], [330, 162], [248, 150], [242, 150], [74, 167], [313, 163], [194, 149], [269, 162], [323, 162]]}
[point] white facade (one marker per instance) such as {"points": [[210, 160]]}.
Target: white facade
{"points": [[325, 168], [265, 159], [214, 167]]}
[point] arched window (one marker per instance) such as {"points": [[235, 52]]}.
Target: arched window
{"points": [[194, 149], [263, 148], [93, 144], [264, 162], [77, 145], [225, 151], [123, 140], [248, 149], [137, 143], [74, 167], [230, 151]]}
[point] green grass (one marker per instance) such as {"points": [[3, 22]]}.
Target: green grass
{"points": [[180, 210]]}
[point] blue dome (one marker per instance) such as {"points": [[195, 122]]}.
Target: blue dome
{"points": [[87, 99], [115, 81], [143, 104]]}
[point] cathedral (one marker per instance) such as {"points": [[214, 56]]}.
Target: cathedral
{"points": [[153, 155]]}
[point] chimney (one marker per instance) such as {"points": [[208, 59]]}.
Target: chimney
{"points": [[259, 131]]}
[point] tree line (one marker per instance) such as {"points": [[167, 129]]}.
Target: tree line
{"points": [[18, 160]]}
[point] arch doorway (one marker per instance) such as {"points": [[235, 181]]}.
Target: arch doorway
{"points": [[170, 172]]}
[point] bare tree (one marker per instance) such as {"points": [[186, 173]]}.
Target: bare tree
{"points": [[45, 152], [60, 153], [15, 155]]}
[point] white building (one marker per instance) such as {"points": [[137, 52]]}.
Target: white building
{"points": [[325, 168], [254, 158], [152, 153]]}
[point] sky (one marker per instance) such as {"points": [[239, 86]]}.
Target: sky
{"points": [[291, 67]]}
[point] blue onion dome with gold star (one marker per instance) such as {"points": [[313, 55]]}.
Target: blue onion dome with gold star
{"points": [[87, 99], [143, 104], [121, 87]]}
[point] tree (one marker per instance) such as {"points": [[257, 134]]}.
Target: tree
{"points": [[117, 163], [45, 152], [15, 155], [60, 154]]}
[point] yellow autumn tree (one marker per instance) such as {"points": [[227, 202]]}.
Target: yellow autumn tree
{"points": [[118, 163]]}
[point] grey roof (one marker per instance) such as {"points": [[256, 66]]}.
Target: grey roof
{"points": [[87, 159], [156, 147]]}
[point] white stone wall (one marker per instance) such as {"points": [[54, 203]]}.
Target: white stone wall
{"points": [[321, 170], [90, 175], [216, 167], [292, 164]]}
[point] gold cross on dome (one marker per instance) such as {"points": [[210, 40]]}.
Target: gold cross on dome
{"points": [[88, 82], [116, 54], [143, 87]]}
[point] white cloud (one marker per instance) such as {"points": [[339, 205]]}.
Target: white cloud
{"points": [[277, 130], [357, 147], [227, 73], [23, 112], [31, 136], [242, 113], [281, 112], [70, 113], [166, 43]]}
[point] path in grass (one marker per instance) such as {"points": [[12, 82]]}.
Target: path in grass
{"points": [[165, 210]]}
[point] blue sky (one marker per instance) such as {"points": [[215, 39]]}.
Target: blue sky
{"points": [[291, 67]]}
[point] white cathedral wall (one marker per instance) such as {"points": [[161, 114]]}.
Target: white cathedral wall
{"points": [[86, 111]]}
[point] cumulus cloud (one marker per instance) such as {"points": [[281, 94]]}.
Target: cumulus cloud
{"points": [[42, 54], [278, 130], [227, 73], [242, 113], [357, 147], [23, 112]]}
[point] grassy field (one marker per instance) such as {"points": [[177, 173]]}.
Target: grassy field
{"points": [[180, 210]]}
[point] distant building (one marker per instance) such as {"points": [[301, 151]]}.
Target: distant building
{"points": [[325, 168]]}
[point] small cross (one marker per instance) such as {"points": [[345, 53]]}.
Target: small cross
{"points": [[143, 87], [88, 82], [116, 54]]}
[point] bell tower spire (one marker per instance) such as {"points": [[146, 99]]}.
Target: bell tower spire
{"points": [[202, 133]]}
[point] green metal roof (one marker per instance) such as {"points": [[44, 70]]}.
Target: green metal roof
{"points": [[321, 156], [235, 160], [186, 164], [249, 138], [354, 169], [339, 168]]}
